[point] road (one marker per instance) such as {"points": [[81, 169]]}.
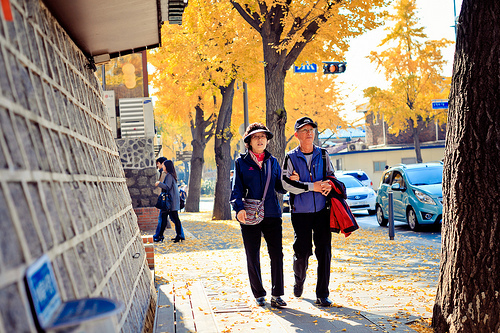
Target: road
{"points": [[427, 236], [206, 204]]}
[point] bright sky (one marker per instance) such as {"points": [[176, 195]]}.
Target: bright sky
{"points": [[437, 18]]}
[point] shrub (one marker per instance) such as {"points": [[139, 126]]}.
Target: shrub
{"points": [[207, 187]]}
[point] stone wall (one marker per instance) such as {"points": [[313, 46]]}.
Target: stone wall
{"points": [[63, 190], [137, 158], [141, 183], [136, 153]]}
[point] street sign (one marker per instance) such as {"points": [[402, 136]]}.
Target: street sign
{"points": [[307, 68], [438, 104]]}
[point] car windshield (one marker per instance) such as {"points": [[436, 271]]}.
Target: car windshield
{"points": [[350, 182], [358, 175], [425, 176]]}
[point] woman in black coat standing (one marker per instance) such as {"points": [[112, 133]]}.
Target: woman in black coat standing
{"points": [[170, 184]]}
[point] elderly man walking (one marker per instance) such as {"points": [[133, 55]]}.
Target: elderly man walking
{"points": [[304, 172]]}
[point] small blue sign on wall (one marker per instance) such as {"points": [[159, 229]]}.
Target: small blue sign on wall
{"points": [[43, 289], [438, 104], [53, 314], [307, 68]]}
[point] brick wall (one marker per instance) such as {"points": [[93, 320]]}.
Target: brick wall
{"points": [[150, 250], [62, 187], [147, 218]]}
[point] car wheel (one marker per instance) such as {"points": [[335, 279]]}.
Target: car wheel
{"points": [[372, 211], [380, 217], [411, 218]]}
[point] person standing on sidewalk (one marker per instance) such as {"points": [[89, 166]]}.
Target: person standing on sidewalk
{"points": [[251, 175], [303, 172], [163, 174], [170, 185]]}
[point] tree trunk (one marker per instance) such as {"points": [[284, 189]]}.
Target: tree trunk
{"points": [[223, 136], [202, 131], [277, 61], [276, 118], [415, 134], [468, 298]]}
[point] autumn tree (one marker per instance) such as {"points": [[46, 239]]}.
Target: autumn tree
{"points": [[316, 96], [413, 67], [185, 97], [321, 28], [199, 64], [468, 294]]}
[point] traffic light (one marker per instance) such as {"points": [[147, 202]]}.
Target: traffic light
{"points": [[333, 67]]}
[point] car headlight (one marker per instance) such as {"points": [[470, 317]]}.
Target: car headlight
{"points": [[424, 198], [371, 194]]}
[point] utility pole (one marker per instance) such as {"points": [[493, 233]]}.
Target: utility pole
{"points": [[245, 106], [455, 18]]}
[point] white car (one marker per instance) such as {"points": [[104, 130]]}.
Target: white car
{"points": [[359, 197], [286, 203], [359, 175]]}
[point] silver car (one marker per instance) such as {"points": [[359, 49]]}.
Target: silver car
{"points": [[359, 175], [359, 197]]}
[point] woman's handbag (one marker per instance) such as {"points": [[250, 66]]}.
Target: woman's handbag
{"points": [[254, 207], [164, 201]]}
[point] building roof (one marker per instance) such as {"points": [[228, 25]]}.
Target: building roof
{"points": [[344, 133], [388, 148], [105, 29]]}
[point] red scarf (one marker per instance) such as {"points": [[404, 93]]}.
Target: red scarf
{"points": [[258, 158]]}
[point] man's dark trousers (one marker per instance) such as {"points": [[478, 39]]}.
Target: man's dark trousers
{"points": [[271, 229], [309, 227]]}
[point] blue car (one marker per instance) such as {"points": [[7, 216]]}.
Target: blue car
{"points": [[417, 194]]}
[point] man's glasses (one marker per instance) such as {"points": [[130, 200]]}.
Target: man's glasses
{"points": [[306, 130]]}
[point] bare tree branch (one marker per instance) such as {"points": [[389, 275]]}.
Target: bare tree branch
{"points": [[253, 20]]}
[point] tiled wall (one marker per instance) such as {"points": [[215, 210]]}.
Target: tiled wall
{"points": [[62, 186]]}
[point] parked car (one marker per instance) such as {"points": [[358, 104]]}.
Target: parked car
{"points": [[417, 194], [286, 203], [359, 197], [359, 175]]}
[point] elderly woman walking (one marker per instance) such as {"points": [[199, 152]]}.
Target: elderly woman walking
{"points": [[257, 178]]}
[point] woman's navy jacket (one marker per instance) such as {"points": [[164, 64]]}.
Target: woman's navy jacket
{"points": [[250, 181]]}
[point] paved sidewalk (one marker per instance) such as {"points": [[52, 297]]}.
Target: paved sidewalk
{"points": [[376, 284]]}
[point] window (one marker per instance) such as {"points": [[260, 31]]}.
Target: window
{"points": [[386, 178], [338, 164], [425, 176], [360, 175], [398, 179], [408, 160], [379, 166]]}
